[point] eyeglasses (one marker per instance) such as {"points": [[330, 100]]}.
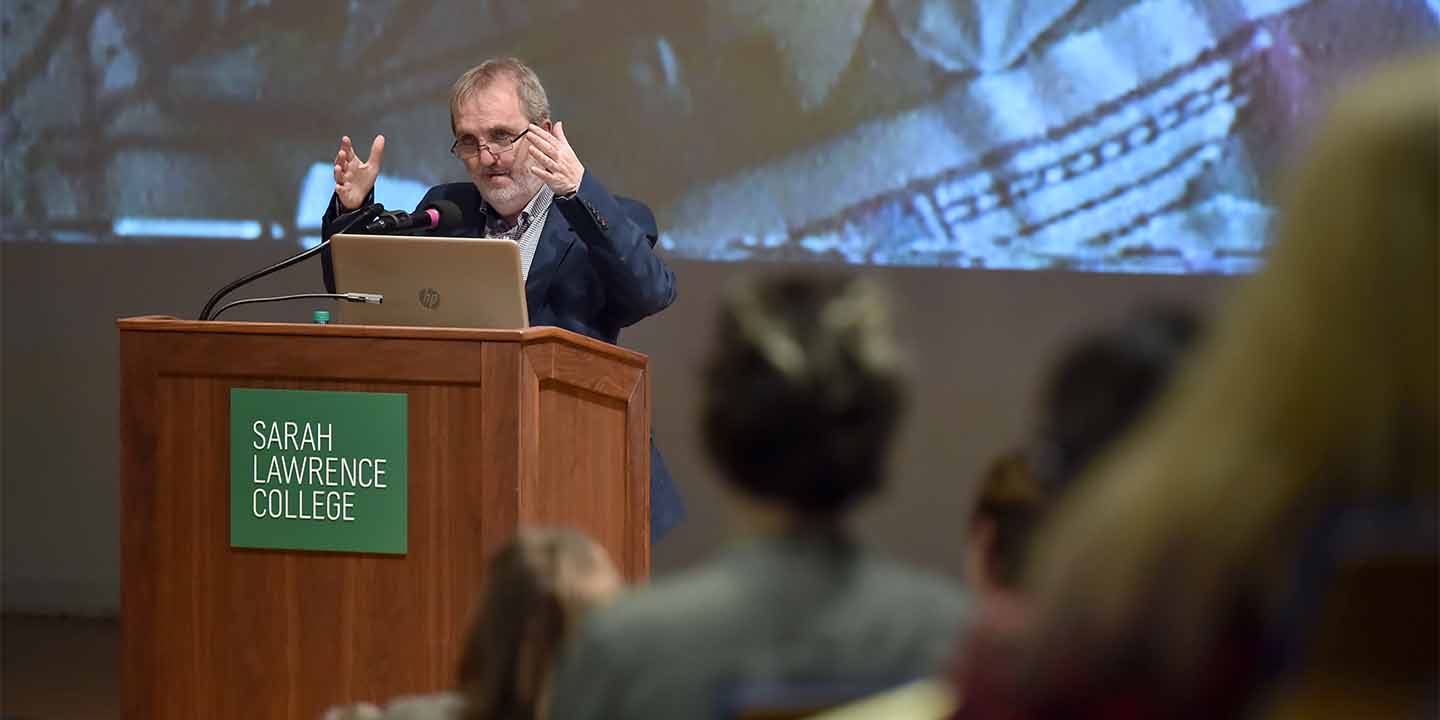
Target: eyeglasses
{"points": [[468, 147]]}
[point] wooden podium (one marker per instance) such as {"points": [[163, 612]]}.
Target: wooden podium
{"points": [[506, 429]]}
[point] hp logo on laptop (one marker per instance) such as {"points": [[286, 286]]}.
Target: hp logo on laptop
{"points": [[430, 298]]}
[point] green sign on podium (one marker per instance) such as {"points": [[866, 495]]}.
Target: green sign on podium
{"points": [[318, 470]]}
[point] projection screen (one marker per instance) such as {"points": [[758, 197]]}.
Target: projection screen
{"points": [[1096, 135]]}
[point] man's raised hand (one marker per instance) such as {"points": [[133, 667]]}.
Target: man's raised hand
{"points": [[354, 179], [554, 161]]}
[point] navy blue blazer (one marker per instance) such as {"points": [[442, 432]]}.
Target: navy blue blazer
{"points": [[595, 271]]}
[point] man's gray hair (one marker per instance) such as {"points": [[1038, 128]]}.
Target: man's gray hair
{"points": [[533, 101]]}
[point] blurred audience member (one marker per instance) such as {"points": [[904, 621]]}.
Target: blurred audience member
{"points": [[541, 586], [536, 589], [1097, 391], [1102, 384], [1176, 583], [802, 396]]}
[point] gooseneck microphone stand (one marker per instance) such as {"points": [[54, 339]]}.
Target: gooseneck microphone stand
{"points": [[355, 217]]}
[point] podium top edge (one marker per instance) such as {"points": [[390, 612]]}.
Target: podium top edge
{"points": [[533, 335]]}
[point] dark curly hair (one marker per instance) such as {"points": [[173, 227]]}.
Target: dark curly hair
{"points": [[1097, 391], [1103, 384], [803, 390]]}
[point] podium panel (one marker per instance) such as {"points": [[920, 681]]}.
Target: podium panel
{"points": [[505, 428]]}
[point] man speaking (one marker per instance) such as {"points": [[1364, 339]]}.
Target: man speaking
{"points": [[587, 256]]}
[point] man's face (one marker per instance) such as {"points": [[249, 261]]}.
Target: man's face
{"points": [[493, 115]]}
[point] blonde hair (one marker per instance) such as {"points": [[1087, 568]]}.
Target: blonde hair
{"points": [[1317, 387], [533, 100]]}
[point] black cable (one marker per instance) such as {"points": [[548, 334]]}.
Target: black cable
{"points": [[349, 297], [367, 213]]}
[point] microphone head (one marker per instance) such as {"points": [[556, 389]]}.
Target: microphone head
{"points": [[447, 215]]}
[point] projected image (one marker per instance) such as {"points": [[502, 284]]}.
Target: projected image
{"points": [[1100, 135]]}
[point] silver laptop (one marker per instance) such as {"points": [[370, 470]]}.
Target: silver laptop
{"points": [[446, 282]]}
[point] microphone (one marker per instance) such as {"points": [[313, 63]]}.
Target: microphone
{"points": [[351, 219], [439, 215]]}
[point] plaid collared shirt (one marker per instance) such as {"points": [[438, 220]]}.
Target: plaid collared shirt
{"points": [[526, 232]]}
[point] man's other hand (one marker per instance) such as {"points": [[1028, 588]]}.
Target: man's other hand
{"points": [[354, 179]]}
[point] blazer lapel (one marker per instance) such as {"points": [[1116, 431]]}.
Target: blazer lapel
{"points": [[555, 242], [474, 212]]}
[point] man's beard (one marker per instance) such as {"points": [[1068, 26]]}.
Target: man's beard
{"points": [[515, 195]]}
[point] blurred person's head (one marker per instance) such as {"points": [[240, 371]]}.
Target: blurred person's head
{"points": [[1101, 385], [536, 589], [1092, 395], [803, 392], [1317, 389]]}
